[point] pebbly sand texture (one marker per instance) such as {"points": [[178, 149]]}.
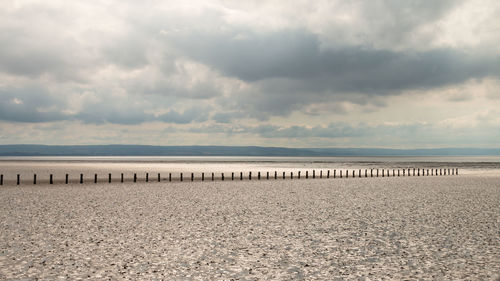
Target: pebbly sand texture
{"points": [[417, 228]]}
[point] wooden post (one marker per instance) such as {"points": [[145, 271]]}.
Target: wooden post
{"points": [[448, 171], [298, 175], [95, 178], [222, 176], [50, 180], [147, 177], [181, 177], [418, 172], [275, 175], [258, 175], [366, 173], [353, 173], [135, 177], [241, 176], [67, 178], [213, 178], [18, 179], [377, 173], [393, 173], [359, 172], [267, 175], [314, 174], [398, 172], [202, 176], [109, 178], [121, 177], [34, 179], [457, 172], [320, 174], [1, 179], [283, 175], [340, 173], [328, 174], [81, 178], [371, 173], [232, 176], [383, 173], [404, 171], [346, 173], [291, 175], [334, 173], [307, 174], [192, 176], [159, 178], [249, 175]]}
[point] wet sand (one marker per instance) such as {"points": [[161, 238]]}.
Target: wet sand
{"points": [[428, 228]]}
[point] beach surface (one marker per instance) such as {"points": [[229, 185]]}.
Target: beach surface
{"points": [[425, 228]]}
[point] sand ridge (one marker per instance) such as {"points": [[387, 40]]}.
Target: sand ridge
{"points": [[381, 228]]}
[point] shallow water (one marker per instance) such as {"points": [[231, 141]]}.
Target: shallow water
{"points": [[172, 167]]}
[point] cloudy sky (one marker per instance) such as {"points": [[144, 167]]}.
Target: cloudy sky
{"points": [[361, 73]]}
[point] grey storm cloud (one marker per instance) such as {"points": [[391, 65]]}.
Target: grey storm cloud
{"points": [[29, 105], [296, 55]]}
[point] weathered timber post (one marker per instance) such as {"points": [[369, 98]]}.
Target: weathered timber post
{"points": [[1, 179], [159, 178], [34, 178], [202, 176], [328, 174], [258, 175], [18, 179], [249, 175], [457, 172], [275, 175], [283, 175], [181, 177], [340, 173], [232, 176], [50, 179], [109, 178], [213, 177], [135, 177], [377, 173], [371, 173], [95, 178], [353, 173], [121, 177], [359, 172], [334, 173], [169, 176], [307, 174], [393, 173], [81, 178], [291, 175], [267, 175], [241, 176], [346, 173], [398, 172], [67, 178], [298, 175], [222, 176], [192, 176], [147, 177], [314, 174]]}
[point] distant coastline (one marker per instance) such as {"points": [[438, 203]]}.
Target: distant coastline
{"points": [[149, 150]]}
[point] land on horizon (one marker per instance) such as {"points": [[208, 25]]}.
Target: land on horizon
{"points": [[197, 150]]}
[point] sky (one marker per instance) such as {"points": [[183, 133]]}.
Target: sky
{"points": [[333, 73]]}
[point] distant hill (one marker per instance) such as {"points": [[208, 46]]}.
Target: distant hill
{"points": [[149, 150]]}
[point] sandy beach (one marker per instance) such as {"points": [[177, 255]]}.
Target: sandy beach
{"points": [[416, 228]]}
